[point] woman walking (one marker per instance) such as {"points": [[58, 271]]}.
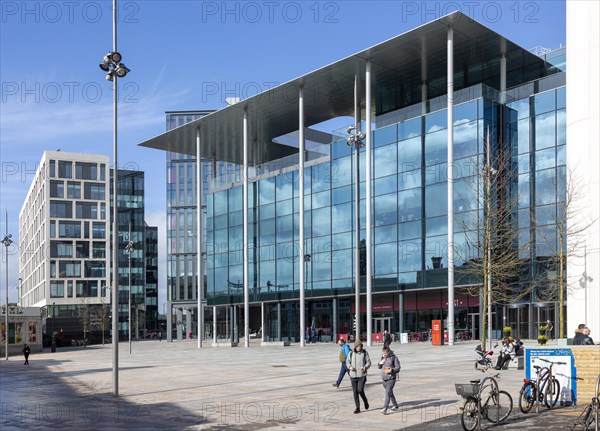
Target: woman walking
{"points": [[358, 362], [390, 366]]}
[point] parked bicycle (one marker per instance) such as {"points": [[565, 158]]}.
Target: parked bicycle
{"points": [[589, 417], [483, 399], [544, 388]]}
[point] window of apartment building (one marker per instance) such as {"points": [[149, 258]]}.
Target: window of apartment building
{"points": [[52, 269], [51, 169], [87, 210], [61, 249], [82, 249], [57, 289], [98, 230], [98, 250], [65, 169], [95, 269], [61, 209], [102, 172], [52, 229], [96, 191], [102, 211], [86, 171], [69, 268], [57, 189], [73, 190], [69, 288], [69, 229]]}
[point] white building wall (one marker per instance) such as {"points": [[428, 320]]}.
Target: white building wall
{"points": [[583, 159], [34, 233]]}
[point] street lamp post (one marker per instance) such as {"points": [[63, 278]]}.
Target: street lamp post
{"points": [[129, 248], [355, 140], [111, 64], [306, 262], [7, 241], [19, 292]]}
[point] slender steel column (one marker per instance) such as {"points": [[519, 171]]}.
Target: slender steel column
{"points": [[400, 313], [450, 108], [335, 333], [368, 145], [7, 241], [214, 323], [279, 321], [200, 240], [115, 233], [245, 234], [357, 209], [262, 321], [503, 71], [301, 262]]}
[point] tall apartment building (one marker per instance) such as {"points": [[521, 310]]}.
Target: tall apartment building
{"points": [[65, 243]]}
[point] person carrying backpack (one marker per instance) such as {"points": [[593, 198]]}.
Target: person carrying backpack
{"points": [[389, 366], [358, 362], [344, 352]]}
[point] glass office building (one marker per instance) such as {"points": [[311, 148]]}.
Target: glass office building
{"points": [[503, 95]]}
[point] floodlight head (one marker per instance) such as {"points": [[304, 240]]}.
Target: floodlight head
{"points": [[122, 70], [115, 56], [109, 76], [10, 235], [361, 135], [104, 67], [349, 129], [350, 141]]}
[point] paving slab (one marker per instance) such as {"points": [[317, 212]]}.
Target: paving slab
{"points": [[176, 386]]}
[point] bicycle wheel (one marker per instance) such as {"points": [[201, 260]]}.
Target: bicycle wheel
{"points": [[551, 393], [469, 417], [527, 397], [498, 407]]}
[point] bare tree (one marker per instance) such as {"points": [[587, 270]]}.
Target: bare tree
{"points": [[494, 255], [100, 318], [554, 224], [85, 316]]}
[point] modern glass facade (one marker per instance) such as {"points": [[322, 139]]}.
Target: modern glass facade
{"points": [[410, 214], [151, 291], [508, 123], [132, 227]]}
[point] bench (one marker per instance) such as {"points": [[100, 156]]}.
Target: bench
{"points": [[274, 343], [517, 362], [225, 344]]}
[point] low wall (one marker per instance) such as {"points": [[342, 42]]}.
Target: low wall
{"points": [[587, 362]]}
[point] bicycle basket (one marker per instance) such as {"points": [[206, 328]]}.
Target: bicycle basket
{"points": [[467, 389]]}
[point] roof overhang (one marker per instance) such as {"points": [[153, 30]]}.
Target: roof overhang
{"points": [[416, 56]]}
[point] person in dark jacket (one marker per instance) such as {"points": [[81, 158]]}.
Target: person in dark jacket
{"points": [[389, 366], [358, 363], [387, 339], [26, 351], [583, 338]]}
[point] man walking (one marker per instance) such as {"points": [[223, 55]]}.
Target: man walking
{"points": [[344, 351]]}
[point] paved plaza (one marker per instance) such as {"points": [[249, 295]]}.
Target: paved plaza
{"points": [[171, 386]]}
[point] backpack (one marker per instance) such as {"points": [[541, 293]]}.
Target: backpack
{"points": [[342, 355]]}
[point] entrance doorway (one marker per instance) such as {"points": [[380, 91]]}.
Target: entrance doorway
{"points": [[381, 324]]}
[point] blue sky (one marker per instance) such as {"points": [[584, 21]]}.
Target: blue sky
{"points": [[184, 55]]}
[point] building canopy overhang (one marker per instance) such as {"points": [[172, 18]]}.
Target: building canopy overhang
{"points": [[415, 58]]}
